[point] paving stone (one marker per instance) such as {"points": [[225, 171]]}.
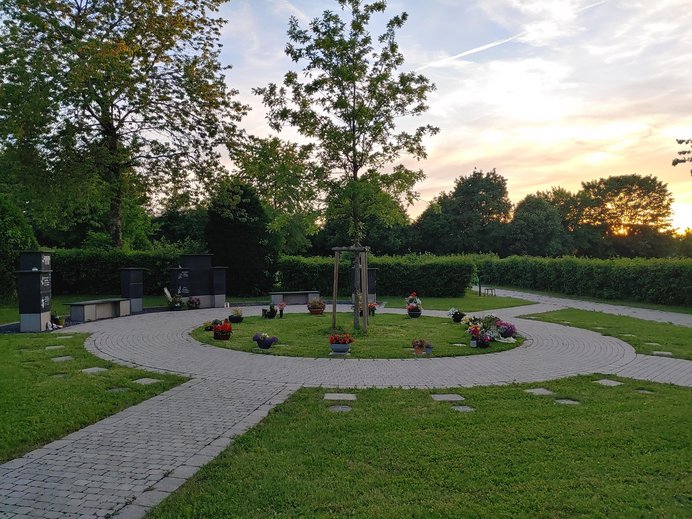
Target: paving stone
{"points": [[645, 392], [566, 401], [463, 408], [54, 347], [146, 381], [339, 396], [539, 391], [652, 344], [607, 382], [628, 335], [447, 397], [339, 408], [63, 336], [118, 390], [93, 371], [662, 353], [62, 359]]}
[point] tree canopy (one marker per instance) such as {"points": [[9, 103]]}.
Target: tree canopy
{"points": [[348, 99]]}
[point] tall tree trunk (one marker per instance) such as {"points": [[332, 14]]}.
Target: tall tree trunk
{"points": [[116, 172]]}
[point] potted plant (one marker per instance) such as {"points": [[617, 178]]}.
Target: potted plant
{"points": [[480, 337], [340, 343], [456, 315], [271, 313], [264, 341], [414, 306], [222, 332], [193, 303], [176, 302], [316, 306], [208, 326], [421, 346], [57, 320], [506, 329], [372, 307], [281, 306], [236, 315]]}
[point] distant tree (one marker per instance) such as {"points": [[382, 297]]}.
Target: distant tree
{"points": [[620, 204], [567, 205], [183, 227], [289, 183], [685, 155], [684, 244], [98, 98], [536, 229], [15, 236], [432, 230], [348, 102], [238, 237]]}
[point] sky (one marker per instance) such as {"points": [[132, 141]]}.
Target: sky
{"points": [[547, 92]]}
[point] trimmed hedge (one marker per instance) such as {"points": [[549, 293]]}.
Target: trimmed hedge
{"points": [[662, 281], [430, 276], [77, 271]]}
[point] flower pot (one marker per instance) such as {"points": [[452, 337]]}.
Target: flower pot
{"points": [[418, 350], [340, 348], [316, 311], [222, 336], [414, 314], [457, 318], [270, 314], [281, 313], [428, 350], [474, 343], [264, 344], [235, 319]]}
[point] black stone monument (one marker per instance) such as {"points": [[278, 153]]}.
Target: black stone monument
{"points": [[34, 291], [132, 288]]}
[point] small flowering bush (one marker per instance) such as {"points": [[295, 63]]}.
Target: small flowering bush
{"points": [[193, 303], [282, 305], [340, 338], [506, 329], [413, 302], [264, 338]]}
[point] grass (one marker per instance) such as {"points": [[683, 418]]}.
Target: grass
{"points": [[639, 333], [471, 302], [41, 400], [399, 454], [622, 302], [389, 336]]}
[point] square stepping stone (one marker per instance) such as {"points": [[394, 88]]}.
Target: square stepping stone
{"points": [[607, 382], [628, 335], [539, 391], [59, 375], [146, 381], [463, 408], [339, 408], [566, 401], [662, 353], [48, 348], [64, 336], [118, 390], [339, 396], [652, 344], [599, 328], [93, 371], [450, 397], [645, 392], [62, 359]]}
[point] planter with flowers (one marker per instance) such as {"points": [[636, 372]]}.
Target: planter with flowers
{"points": [[223, 331], [456, 315], [236, 316], [421, 346], [281, 306], [176, 302], [269, 314], [264, 341], [340, 343], [316, 306], [193, 303], [414, 306], [372, 308]]}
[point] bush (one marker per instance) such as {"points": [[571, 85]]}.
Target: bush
{"points": [[429, 276], [15, 236]]}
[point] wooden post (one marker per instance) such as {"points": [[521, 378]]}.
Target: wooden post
{"points": [[365, 289], [357, 301], [337, 255]]}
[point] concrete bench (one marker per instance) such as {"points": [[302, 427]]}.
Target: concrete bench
{"points": [[83, 311], [489, 291], [299, 297]]}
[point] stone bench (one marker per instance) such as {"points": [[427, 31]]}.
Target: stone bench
{"points": [[83, 311], [299, 297]]}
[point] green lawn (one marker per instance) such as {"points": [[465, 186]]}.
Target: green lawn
{"points": [[400, 454], [471, 302], [644, 336], [41, 400], [389, 336]]}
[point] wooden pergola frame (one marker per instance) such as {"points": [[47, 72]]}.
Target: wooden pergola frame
{"points": [[360, 264]]}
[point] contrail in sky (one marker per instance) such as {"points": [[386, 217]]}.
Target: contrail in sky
{"points": [[495, 43]]}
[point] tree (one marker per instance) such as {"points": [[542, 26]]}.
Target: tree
{"points": [[536, 229], [620, 204], [685, 155], [15, 236], [239, 239], [290, 185], [349, 100], [98, 98]]}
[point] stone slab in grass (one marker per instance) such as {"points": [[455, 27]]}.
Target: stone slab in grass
{"points": [[62, 359], [93, 371], [59, 375], [63, 336], [463, 408], [652, 344], [566, 401], [118, 390], [662, 354], [628, 335], [339, 396], [54, 347], [539, 391], [339, 408], [448, 397], [146, 381], [607, 382], [645, 392]]}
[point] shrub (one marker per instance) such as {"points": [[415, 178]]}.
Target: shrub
{"points": [[15, 236]]}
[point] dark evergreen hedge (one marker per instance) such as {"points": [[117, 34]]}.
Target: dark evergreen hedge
{"points": [[430, 276], [663, 281], [77, 271]]}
